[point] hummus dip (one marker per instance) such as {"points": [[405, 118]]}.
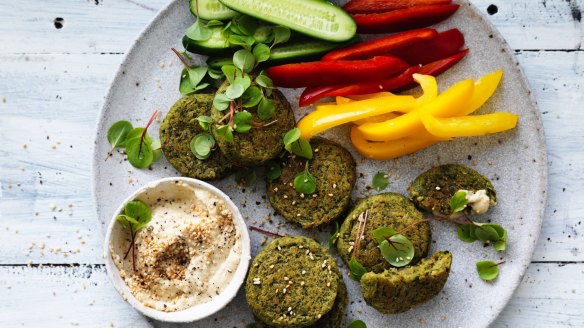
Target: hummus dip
{"points": [[186, 255]]}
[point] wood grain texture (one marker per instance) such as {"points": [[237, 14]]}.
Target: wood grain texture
{"points": [[52, 83]]}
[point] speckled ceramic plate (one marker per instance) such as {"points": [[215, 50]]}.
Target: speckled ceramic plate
{"points": [[515, 161]]}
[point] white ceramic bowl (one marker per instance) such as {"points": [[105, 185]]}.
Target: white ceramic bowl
{"points": [[196, 312]]}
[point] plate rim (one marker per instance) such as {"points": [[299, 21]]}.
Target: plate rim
{"points": [[508, 52]]}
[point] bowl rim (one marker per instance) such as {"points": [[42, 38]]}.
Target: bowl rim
{"points": [[199, 311]]}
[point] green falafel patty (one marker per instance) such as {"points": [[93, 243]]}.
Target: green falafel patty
{"points": [[264, 141], [335, 172], [398, 290], [292, 282], [383, 210], [334, 317], [433, 189], [178, 129]]}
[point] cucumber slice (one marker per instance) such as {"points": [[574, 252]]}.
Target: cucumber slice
{"points": [[211, 9], [294, 51], [217, 45], [317, 18], [303, 50]]}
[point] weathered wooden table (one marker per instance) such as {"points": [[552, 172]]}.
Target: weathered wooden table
{"points": [[58, 57]]}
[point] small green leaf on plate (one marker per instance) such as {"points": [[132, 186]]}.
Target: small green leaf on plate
{"points": [[118, 132], [201, 145], [221, 101], [225, 133], [486, 233], [380, 181], [466, 232], [487, 270], [290, 137], [273, 170], [357, 269], [205, 122], [302, 148], [140, 155], [196, 74], [305, 183], [138, 210], [244, 60], [458, 201], [246, 177], [334, 236], [382, 233], [199, 32], [266, 108], [252, 97], [261, 52], [357, 324], [242, 121], [281, 34], [397, 250]]}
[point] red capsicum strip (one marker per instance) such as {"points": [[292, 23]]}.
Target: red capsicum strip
{"points": [[381, 6], [400, 82], [443, 45], [403, 19], [332, 72], [382, 46]]}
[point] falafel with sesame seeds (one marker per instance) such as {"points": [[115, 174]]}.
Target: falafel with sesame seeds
{"points": [[382, 210], [178, 129], [334, 317], [398, 290], [433, 189], [335, 171], [292, 282], [263, 141]]}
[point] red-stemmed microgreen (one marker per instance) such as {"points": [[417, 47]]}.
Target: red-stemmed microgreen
{"points": [[135, 217], [488, 270]]}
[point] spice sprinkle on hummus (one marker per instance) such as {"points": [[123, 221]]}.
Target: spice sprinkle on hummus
{"points": [[186, 255]]}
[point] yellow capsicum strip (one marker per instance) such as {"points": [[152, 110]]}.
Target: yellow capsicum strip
{"points": [[468, 126], [388, 149], [329, 116], [448, 103], [483, 90]]}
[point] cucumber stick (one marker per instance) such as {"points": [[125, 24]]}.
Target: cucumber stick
{"points": [[210, 9], [317, 18]]}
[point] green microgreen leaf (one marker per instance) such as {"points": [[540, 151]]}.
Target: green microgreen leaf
{"points": [[458, 201], [140, 154], [252, 97], [199, 32], [382, 233], [118, 132], [380, 181], [215, 74], [196, 74], [305, 182], [501, 244], [290, 137], [122, 219], [264, 81], [281, 34], [261, 52], [244, 60], [156, 149], [185, 87], [245, 25], [273, 170], [466, 232], [244, 81], [486, 233], [136, 133], [302, 148], [214, 22], [266, 108], [398, 250], [242, 121], [357, 269], [488, 270], [234, 91], [246, 177], [245, 41], [357, 324], [225, 132], [230, 72], [221, 101], [201, 145], [205, 122], [334, 235], [139, 211]]}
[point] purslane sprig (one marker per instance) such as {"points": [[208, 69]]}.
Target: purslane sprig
{"points": [[135, 217]]}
